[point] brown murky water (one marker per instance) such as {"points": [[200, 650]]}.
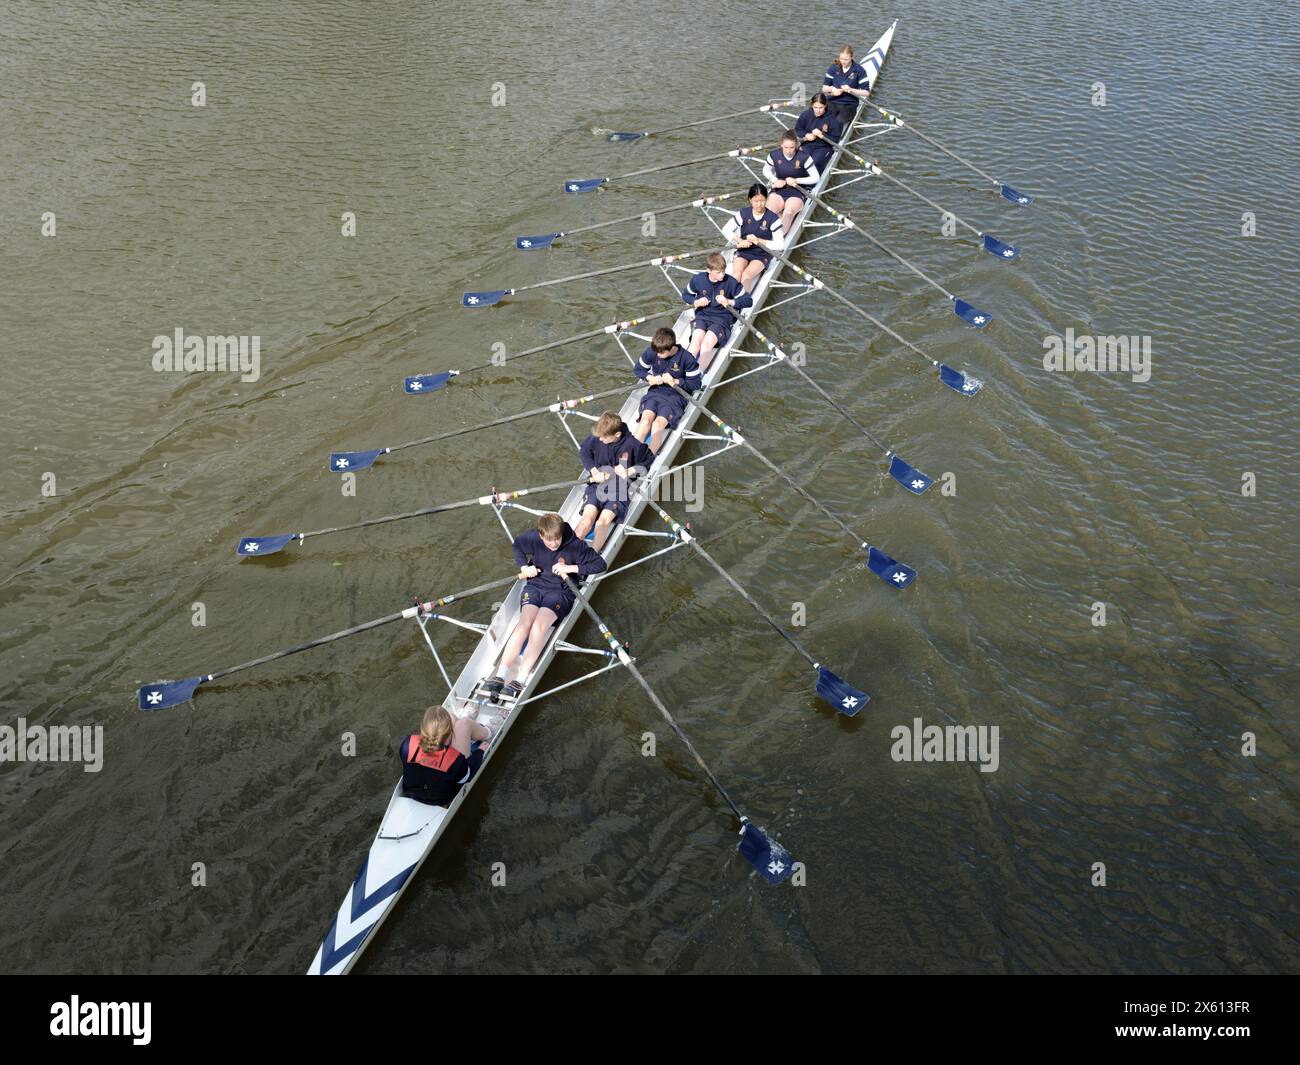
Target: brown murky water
{"points": [[1119, 745]]}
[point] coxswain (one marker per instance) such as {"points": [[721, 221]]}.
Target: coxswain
{"points": [[756, 233], [545, 555], [714, 294], [846, 83], [663, 365], [441, 757], [613, 457], [791, 174], [817, 128]]}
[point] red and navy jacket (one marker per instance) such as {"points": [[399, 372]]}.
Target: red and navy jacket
{"points": [[432, 778]]}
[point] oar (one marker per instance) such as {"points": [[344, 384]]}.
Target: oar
{"points": [[954, 379], [488, 299], [1008, 193], [589, 184], [260, 546], [905, 474], [164, 693], [351, 461], [545, 240], [990, 243], [419, 384], [998, 248], [894, 573], [615, 135], [770, 860], [967, 312], [842, 695]]}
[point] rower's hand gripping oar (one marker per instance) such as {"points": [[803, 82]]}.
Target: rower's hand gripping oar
{"points": [[495, 296], [591, 184], [351, 461], [260, 546], [616, 135], [894, 573], [166, 693], [900, 470], [770, 860], [1008, 193], [958, 381], [842, 695]]}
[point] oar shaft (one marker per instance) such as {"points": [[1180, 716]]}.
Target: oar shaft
{"points": [[740, 439], [822, 392], [898, 120], [563, 404], [720, 118], [613, 327], [879, 170], [442, 508], [735, 585], [606, 271], [699, 201], [409, 612], [734, 153], [848, 223], [628, 661], [858, 310]]}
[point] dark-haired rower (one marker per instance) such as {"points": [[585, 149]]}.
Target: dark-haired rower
{"points": [[757, 233]]}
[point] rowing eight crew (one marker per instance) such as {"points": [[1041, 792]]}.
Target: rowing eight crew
{"points": [[439, 759]]}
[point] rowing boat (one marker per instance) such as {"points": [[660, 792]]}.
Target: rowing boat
{"points": [[409, 830]]}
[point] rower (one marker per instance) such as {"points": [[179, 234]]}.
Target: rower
{"points": [[662, 365], [846, 83], [546, 555], [441, 757], [756, 233], [712, 292], [612, 453], [792, 174], [817, 126]]}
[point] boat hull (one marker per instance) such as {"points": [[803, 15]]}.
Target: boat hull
{"points": [[410, 830]]}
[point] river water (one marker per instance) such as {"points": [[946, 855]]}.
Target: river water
{"points": [[1170, 500]]}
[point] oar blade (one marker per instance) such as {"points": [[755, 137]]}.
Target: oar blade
{"points": [[958, 381], [350, 461], [908, 476], [542, 240], [584, 184], [842, 695], [970, 314], [770, 860], [1000, 248], [1021, 198], [484, 299], [164, 693], [426, 382], [894, 573], [621, 136], [256, 546]]}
